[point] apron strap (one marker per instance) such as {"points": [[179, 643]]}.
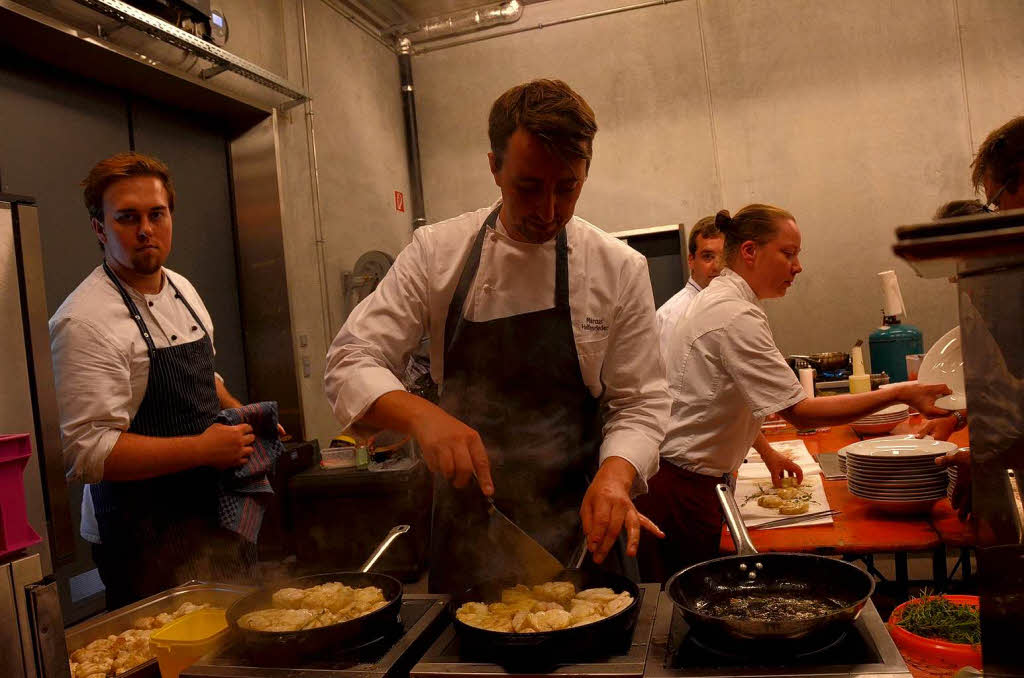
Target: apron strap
{"points": [[132, 309], [179, 295], [454, 320], [455, 309]]}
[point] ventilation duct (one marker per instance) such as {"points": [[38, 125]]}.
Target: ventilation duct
{"points": [[463, 22]]}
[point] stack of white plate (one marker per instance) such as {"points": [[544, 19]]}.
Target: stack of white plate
{"points": [[898, 475], [952, 480], [882, 421]]}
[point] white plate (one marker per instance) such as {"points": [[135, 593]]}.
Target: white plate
{"points": [[957, 401], [938, 481], [926, 465], [944, 364], [892, 496], [890, 449], [892, 412]]}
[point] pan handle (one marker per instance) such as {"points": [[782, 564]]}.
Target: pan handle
{"points": [[744, 546], [383, 546], [1017, 503]]}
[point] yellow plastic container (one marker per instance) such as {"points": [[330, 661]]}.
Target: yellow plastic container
{"points": [[179, 644]]}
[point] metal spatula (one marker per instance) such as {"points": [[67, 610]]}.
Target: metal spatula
{"points": [[534, 563]]}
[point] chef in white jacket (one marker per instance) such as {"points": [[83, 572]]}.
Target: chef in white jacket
{"points": [[544, 343]]}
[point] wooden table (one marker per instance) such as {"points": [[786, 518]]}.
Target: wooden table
{"points": [[861, 530]]}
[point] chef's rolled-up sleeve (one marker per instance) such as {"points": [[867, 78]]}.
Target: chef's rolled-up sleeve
{"points": [[373, 346], [635, 402], [760, 372], [93, 384]]}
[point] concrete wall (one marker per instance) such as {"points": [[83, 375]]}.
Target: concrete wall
{"points": [[856, 116]]}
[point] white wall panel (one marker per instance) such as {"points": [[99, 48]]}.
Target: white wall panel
{"points": [[851, 117], [643, 74], [993, 50]]}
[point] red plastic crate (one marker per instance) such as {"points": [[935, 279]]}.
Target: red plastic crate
{"points": [[15, 532]]}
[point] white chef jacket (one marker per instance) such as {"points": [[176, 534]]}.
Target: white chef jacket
{"points": [[101, 367], [674, 309], [611, 307], [725, 376]]}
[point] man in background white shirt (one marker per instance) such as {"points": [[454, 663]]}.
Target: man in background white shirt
{"points": [[704, 259], [542, 329]]}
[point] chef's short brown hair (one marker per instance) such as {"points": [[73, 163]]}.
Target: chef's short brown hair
{"points": [[959, 208], [1001, 156], [756, 222], [122, 166], [548, 109], [705, 228]]}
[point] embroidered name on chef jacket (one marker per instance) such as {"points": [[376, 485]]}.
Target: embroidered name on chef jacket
{"points": [[594, 325]]}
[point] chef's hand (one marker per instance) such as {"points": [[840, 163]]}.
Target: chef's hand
{"points": [[961, 498], [607, 508], [224, 447], [779, 465], [922, 398], [940, 428], [454, 449]]}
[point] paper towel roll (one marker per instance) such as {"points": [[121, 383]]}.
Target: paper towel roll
{"points": [[891, 292], [807, 380], [858, 360]]}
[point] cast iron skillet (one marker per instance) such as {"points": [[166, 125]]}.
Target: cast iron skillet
{"points": [[547, 645], [341, 635], [785, 574]]}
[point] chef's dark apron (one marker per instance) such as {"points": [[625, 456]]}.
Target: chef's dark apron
{"points": [[517, 382], [164, 531]]}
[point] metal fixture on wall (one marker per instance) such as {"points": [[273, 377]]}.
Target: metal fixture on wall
{"points": [[370, 269], [412, 140], [221, 59], [466, 21]]}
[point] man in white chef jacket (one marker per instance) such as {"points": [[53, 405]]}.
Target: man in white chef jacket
{"points": [[133, 363], [544, 343], [704, 259]]}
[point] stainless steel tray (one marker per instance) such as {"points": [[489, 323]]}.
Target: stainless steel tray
{"points": [[116, 621]]}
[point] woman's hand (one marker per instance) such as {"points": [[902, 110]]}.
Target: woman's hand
{"points": [[961, 498], [940, 429], [779, 465]]}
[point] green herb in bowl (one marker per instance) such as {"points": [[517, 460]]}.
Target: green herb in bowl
{"points": [[936, 617]]}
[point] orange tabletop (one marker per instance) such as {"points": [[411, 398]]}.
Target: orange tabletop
{"points": [[860, 528]]}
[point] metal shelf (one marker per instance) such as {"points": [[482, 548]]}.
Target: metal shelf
{"points": [[222, 59]]}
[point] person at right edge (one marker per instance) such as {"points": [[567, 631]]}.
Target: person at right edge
{"points": [[726, 375], [997, 170], [544, 344]]}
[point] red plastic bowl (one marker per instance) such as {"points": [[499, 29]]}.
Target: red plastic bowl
{"points": [[930, 654]]}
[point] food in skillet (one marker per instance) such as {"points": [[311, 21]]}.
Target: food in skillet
{"points": [[323, 605], [545, 607], [114, 655]]}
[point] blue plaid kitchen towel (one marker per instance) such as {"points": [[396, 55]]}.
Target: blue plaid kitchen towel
{"points": [[243, 490]]}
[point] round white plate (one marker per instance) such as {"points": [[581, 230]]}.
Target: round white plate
{"points": [[887, 448], [925, 465], [944, 364], [937, 481], [891, 496], [956, 401]]}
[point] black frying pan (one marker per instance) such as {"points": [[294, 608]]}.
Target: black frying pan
{"points": [[345, 634], [609, 633], [791, 575]]}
